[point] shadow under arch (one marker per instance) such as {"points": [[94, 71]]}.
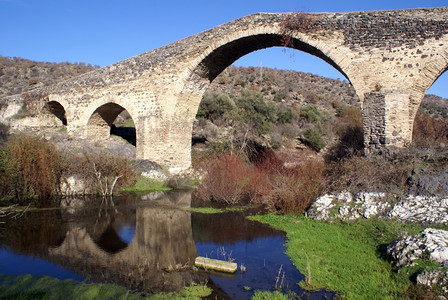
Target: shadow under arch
{"points": [[53, 114], [102, 123], [222, 57]]}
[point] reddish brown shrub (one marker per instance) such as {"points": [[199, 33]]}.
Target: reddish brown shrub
{"points": [[226, 180], [230, 180], [295, 189]]}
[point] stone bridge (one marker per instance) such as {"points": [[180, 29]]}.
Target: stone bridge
{"points": [[390, 57]]}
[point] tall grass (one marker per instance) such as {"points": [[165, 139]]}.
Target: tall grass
{"points": [[30, 169]]}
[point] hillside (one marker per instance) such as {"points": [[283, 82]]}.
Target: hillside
{"points": [[18, 75]]}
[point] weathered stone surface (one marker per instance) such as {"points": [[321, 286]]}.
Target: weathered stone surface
{"points": [[427, 210], [344, 207], [419, 209], [430, 244], [433, 277], [390, 57], [428, 183]]}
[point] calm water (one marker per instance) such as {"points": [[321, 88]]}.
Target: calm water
{"points": [[149, 243]]}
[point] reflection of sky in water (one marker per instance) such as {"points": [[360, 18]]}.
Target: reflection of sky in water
{"points": [[126, 233], [262, 258], [17, 264]]}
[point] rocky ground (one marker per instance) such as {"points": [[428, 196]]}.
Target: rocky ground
{"points": [[429, 208], [431, 244]]}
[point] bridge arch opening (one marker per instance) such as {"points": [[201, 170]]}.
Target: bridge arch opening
{"points": [[224, 56], [430, 124], [219, 62], [53, 114], [111, 119]]}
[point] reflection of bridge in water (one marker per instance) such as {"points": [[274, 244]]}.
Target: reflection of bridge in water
{"points": [[159, 257]]}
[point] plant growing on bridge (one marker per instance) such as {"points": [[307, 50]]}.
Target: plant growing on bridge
{"points": [[297, 22]]}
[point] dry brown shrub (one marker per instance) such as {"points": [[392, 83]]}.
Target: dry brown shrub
{"points": [[88, 166], [297, 22], [30, 169], [351, 135], [295, 189], [372, 173], [429, 132], [226, 180]]}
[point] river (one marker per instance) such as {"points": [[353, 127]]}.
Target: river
{"points": [[149, 243]]}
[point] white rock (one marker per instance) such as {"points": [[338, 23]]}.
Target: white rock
{"points": [[430, 243]]}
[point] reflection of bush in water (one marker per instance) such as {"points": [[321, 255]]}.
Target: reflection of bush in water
{"points": [[227, 228], [47, 230]]}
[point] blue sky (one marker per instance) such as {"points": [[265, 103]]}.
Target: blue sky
{"points": [[103, 32]]}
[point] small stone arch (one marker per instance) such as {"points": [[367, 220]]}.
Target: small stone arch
{"points": [[53, 115], [101, 123]]}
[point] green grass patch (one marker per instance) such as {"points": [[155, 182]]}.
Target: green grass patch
{"points": [[211, 210], [344, 257], [145, 184], [265, 295], [45, 287], [126, 123]]}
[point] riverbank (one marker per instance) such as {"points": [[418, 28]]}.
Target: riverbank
{"points": [[348, 258], [45, 287]]}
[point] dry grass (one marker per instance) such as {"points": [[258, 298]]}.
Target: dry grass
{"points": [[30, 168]]}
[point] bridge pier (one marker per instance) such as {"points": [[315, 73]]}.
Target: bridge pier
{"points": [[388, 119]]}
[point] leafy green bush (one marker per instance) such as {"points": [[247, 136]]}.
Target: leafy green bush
{"points": [[286, 116], [313, 114], [257, 111], [214, 106], [313, 138]]}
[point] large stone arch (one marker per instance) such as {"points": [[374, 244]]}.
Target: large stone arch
{"points": [[222, 54]]}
